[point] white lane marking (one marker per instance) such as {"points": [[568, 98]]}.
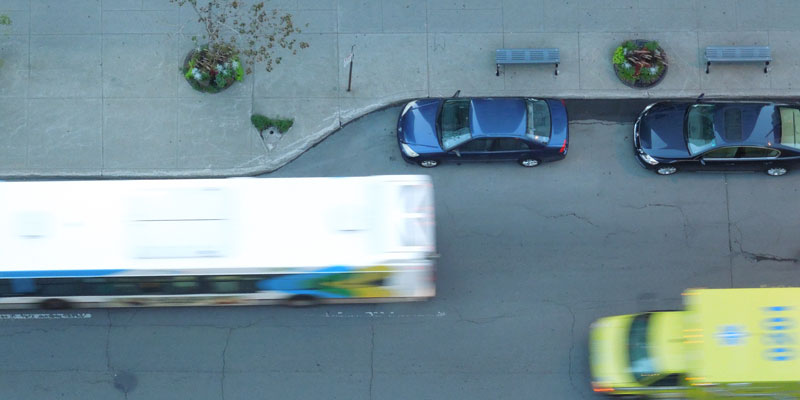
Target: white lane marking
{"points": [[46, 316], [381, 314]]}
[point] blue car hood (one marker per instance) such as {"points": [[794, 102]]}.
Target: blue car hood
{"points": [[417, 125], [661, 132]]}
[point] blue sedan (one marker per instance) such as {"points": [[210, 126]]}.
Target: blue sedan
{"points": [[529, 131], [726, 136]]}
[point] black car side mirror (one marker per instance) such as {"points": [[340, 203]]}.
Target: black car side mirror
{"points": [[702, 161], [458, 153]]}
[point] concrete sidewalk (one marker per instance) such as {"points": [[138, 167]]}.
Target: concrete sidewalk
{"points": [[92, 87]]}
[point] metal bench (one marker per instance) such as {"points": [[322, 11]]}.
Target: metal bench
{"points": [[526, 56], [738, 54]]}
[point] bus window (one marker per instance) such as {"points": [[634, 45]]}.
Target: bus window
{"points": [[23, 286], [58, 287], [224, 284], [184, 285], [123, 286], [5, 287]]}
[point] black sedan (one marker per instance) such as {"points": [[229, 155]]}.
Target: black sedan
{"points": [[743, 136]]}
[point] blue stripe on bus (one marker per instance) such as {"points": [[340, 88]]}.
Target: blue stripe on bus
{"points": [[298, 284], [59, 274]]}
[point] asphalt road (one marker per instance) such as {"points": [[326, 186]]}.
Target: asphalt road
{"points": [[529, 258]]}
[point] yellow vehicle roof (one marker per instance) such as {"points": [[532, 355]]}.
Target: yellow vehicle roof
{"points": [[743, 335]]}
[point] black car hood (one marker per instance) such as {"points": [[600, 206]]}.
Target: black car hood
{"points": [[661, 131]]}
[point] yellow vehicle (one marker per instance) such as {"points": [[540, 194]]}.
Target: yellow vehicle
{"points": [[727, 343]]}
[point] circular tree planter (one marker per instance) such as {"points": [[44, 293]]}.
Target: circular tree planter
{"points": [[640, 64], [212, 72]]}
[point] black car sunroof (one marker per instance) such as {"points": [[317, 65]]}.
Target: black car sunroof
{"points": [[733, 125]]}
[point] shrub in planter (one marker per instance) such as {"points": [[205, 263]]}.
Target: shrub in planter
{"points": [[263, 123], [235, 34], [640, 63], [212, 71]]}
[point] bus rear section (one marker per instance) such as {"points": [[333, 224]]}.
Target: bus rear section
{"points": [[216, 241]]}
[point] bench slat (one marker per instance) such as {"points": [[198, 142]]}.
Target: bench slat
{"points": [[738, 53], [527, 56]]}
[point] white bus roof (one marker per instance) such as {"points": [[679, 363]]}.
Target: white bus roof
{"points": [[188, 224]]}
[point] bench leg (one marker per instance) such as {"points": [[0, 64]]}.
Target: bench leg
{"points": [[708, 64], [498, 70], [766, 67], [556, 69]]}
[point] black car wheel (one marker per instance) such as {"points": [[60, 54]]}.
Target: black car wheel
{"points": [[529, 162], [666, 170], [428, 163], [777, 171]]}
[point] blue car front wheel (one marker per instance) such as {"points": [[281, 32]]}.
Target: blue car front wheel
{"points": [[428, 163]]}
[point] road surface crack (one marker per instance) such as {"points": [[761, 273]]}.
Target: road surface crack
{"points": [[580, 217], [371, 360], [758, 257], [224, 352], [684, 219]]}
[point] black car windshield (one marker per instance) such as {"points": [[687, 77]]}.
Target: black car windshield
{"points": [[641, 363], [454, 123], [700, 128], [538, 127], [790, 127]]}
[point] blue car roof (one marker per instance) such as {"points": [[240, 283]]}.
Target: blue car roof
{"points": [[498, 117]]}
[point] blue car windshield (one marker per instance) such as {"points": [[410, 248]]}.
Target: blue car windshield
{"points": [[700, 128], [454, 123]]}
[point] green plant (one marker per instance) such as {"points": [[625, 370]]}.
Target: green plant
{"points": [[639, 63], [4, 20], [261, 123], [283, 125], [212, 73], [619, 55], [629, 45]]}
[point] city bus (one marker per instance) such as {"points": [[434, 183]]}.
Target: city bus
{"points": [[234, 241]]}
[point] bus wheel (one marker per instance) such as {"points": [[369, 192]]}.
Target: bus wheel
{"points": [[55, 304], [302, 300]]}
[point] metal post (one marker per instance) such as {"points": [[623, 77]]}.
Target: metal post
{"points": [[350, 76]]}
